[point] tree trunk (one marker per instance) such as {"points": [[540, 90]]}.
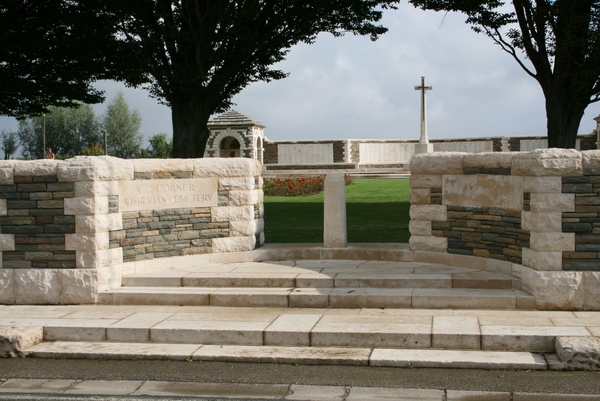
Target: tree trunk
{"points": [[190, 132], [563, 116]]}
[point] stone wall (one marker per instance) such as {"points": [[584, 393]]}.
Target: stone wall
{"points": [[536, 214], [69, 229], [368, 154]]}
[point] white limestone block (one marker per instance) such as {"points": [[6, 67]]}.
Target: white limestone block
{"points": [[179, 262], [498, 266], [246, 228], [3, 207], [548, 241], [429, 212], [591, 158], [237, 183], [463, 146], [542, 222], [473, 262], [425, 180], [546, 202], [86, 206], [334, 227], [6, 175], [545, 260], [36, 286], [7, 242], [305, 153], [591, 291], [109, 278], [437, 163], [7, 286], [501, 191], [98, 258], [242, 198], [227, 167], [37, 167], [98, 223], [579, 353], [78, 286], [428, 244], [232, 213], [233, 244], [548, 162], [92, 189], [385, 152], [86, 241], [15, 340], [542, 184], [488, 160], [162, 165], [554, 290], [420, 227], [420, 196], [95, 168]]}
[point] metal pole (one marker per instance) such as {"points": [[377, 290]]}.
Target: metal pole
{"points": [[105, 144], [44, 135]]}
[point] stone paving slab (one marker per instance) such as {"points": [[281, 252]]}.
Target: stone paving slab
{"points": [[75, 388], [457, 359]]}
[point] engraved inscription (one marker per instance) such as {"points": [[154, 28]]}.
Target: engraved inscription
{"points": [[167, 194]]}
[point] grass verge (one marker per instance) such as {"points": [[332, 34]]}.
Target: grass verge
{"points": [[376, 210]]}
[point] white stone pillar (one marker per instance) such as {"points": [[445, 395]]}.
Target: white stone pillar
{"points": [[335, 231]]}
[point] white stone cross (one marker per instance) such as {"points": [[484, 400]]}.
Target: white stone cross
{"points": [[423, 139]]}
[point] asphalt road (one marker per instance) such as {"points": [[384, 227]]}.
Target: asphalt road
{"points": [[218, 372]]}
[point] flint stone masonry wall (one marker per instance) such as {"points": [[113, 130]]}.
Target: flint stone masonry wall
{"points": [[535, 215], [70, 229]]}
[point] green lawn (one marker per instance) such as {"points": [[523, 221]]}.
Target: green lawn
{"points": [[376, 209]]}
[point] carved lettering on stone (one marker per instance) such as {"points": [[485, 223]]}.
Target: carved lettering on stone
{"points": [[167, 194]]}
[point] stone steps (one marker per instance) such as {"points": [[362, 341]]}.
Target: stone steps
{"points": [[324, 284], [382, 357], [322, 297]]}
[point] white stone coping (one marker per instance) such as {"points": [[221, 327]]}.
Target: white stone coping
{"points": [[541, 162], [107, 168]]}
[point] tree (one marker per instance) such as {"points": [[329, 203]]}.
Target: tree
{"points": [[68, 131], [561, 39], [160, 147], [9, 143], [122, 126], [200, 53], [51, 52]]}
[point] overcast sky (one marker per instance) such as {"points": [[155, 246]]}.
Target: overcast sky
{"points": [[351, 87]]}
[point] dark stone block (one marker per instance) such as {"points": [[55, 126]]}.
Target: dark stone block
{"points": [[22, 229], [488, 170], [577, 188], [587, 239], [61, 187], [460, 251], [452, 234], [46, 212], [581, 264], [21, 204], [512, 220], [587, 247], [59, 228], [10, 195], [22, 179], [44, 178], [591, 171], [587, 200], [576, 227], [31, 187], [64, 219]]}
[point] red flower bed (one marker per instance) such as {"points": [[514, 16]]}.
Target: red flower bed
{"points": [[296, 186]]}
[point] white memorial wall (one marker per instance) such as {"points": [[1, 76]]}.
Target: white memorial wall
{"points": [[305, 153]]}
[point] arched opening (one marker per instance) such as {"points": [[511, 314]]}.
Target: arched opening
{"points": [[230, 147]]}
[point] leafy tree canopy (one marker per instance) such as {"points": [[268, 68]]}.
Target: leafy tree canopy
{"points": [[51, 52], [122, 126], [561, 40], [200, 53]]}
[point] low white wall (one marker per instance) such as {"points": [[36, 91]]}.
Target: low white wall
{"points": [[466, 146], [534, 144], [386, 153], [103, 211], [305, 153]]}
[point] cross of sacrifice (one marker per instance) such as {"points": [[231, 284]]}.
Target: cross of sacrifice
{"points": [[423, 139]]}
